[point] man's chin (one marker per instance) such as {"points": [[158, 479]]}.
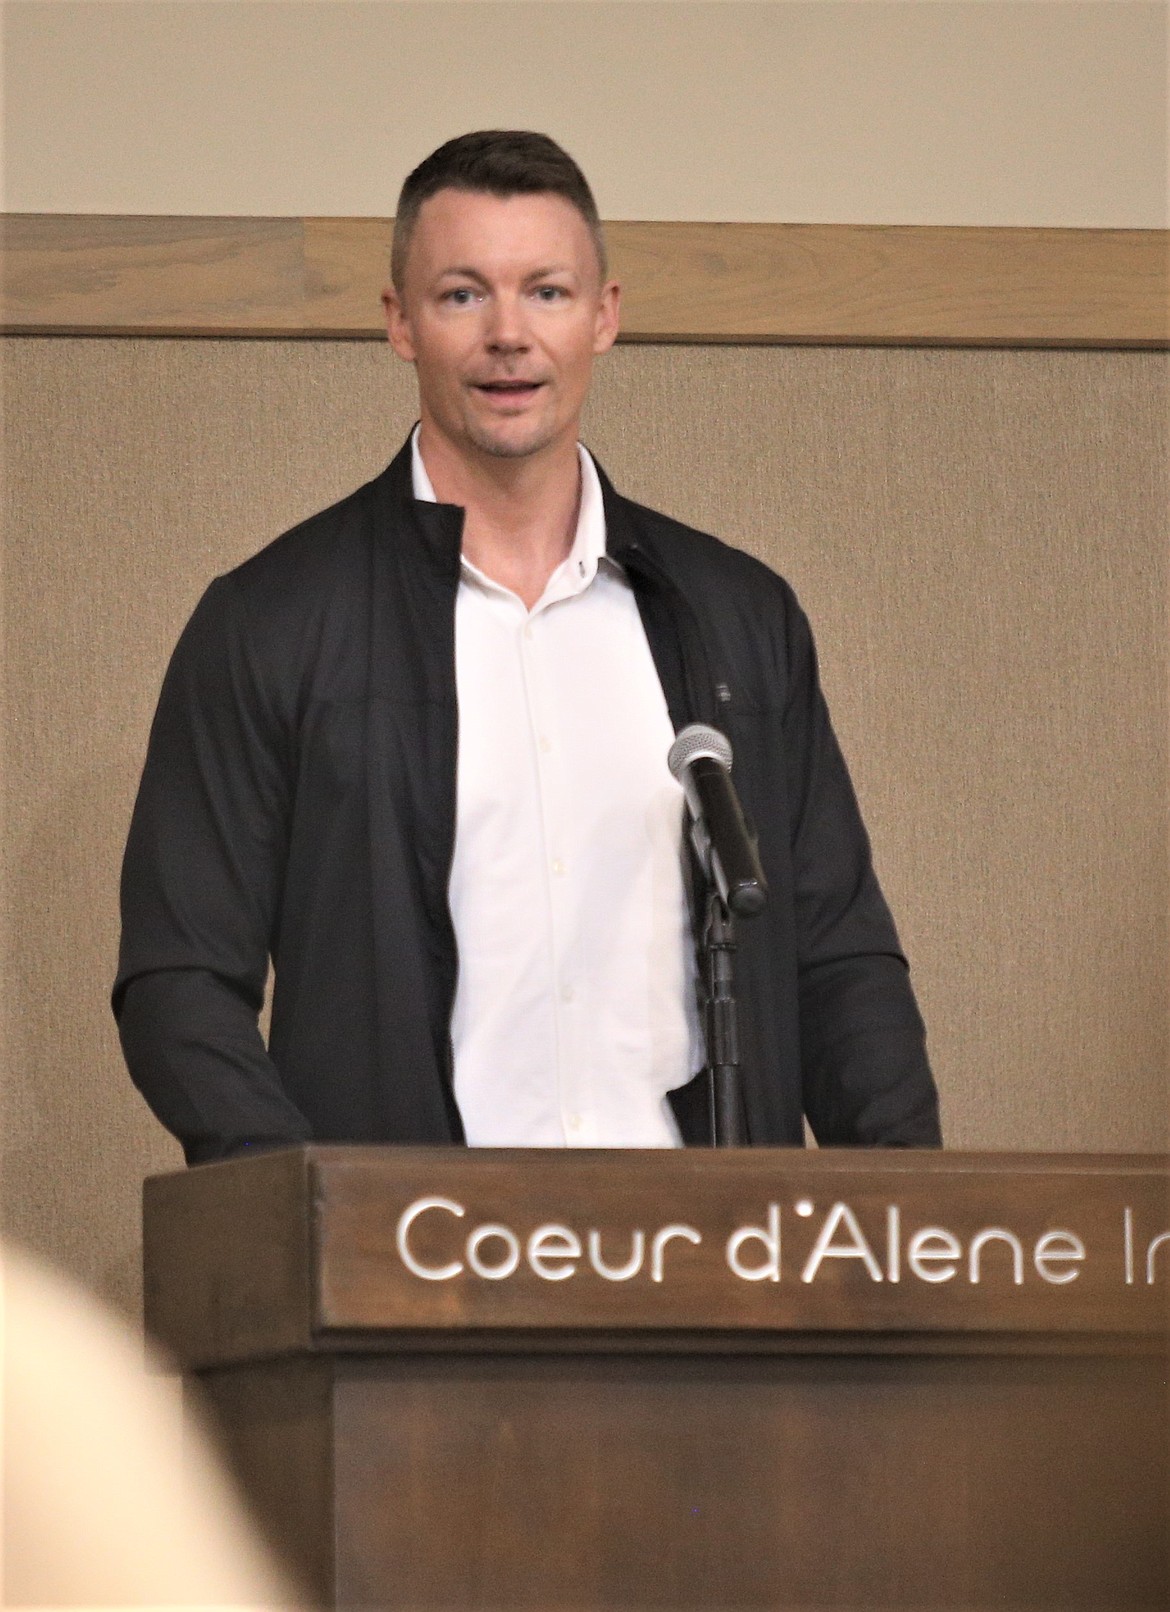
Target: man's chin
{"points": [[512, 444]]}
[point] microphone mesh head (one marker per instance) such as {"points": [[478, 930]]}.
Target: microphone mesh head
{"points": [[695, 741]]}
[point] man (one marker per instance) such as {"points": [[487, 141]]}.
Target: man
{"points": [[415, 752]]}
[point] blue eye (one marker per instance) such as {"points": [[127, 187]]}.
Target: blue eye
{"points": [[460, 296], [551, 293]]}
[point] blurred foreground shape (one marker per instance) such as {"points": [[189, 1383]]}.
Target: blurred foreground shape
{"points": [[104, 1503]]}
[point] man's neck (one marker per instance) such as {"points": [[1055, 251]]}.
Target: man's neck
{"points": [[521, 514]]}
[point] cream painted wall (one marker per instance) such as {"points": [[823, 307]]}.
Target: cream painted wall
{"points": [[882, 111]]}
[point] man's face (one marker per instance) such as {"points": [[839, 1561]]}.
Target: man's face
{"points": [[502, 311]]}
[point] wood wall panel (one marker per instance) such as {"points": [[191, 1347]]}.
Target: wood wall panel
{"points": [[793, 283], [89, 275], [853, 284]]}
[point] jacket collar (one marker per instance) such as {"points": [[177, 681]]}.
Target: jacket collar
{"points": [[677, 641], [437, 527], [672, 627], [624, 537], [440, 526]]}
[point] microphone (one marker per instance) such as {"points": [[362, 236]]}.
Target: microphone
{"points": [[700, 760]]}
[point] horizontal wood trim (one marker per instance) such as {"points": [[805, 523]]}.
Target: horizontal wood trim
{"points": [[842, 284]]}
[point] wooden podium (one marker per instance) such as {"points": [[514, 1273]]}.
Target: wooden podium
{"points": [[760, 1378]]}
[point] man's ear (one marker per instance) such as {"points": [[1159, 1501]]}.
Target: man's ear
{"points": [[397, 324], [608, 317]]}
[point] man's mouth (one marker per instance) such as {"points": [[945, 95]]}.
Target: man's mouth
{"points": [[508, 389]]}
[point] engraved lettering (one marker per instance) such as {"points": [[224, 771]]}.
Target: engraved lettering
{"points": [[617, 1273], [893, 1242], [825, 1248], [933, 1244], [549, 1243], [766, 1269], [1155, 1244], [489, 1233], [429, 1273], [1057, 1245], [996, 1234], [658, 1247]]}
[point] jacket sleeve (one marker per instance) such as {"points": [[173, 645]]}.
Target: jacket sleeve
{"points": [[201, 885], [865, 1075]]}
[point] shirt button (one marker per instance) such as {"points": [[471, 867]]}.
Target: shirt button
{"points": [[574, 1122], [528, 630], [567, 993], [558, 867], [545, 744]]}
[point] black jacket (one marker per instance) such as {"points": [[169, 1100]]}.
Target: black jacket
{"points": [[298, 801]]}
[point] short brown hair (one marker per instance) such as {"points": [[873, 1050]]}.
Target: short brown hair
{"points": [[495, 162]]}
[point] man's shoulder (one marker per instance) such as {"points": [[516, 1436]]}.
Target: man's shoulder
{"points": [[698, 559], [304, 558], [309, 588]]}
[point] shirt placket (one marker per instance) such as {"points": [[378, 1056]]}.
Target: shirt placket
{"points": [[561, 872]]}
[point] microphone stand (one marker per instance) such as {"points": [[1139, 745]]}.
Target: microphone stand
{"points": [[724, 1094], [727, 855]]}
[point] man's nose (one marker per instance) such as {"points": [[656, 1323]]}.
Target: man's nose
{"points": [[507, 329]]}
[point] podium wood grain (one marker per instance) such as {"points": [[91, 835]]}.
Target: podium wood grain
{"points": [[704, 1441]]}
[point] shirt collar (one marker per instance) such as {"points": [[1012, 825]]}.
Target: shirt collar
{"points": [[579, 567]]}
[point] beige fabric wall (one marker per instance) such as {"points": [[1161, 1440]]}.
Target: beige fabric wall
{"points": [[979, 536]]}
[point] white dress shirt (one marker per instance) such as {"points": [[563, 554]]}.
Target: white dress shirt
{"points": [[575, 1008]]}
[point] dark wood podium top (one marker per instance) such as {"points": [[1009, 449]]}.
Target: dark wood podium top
{"points": [[357, 1249]]}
